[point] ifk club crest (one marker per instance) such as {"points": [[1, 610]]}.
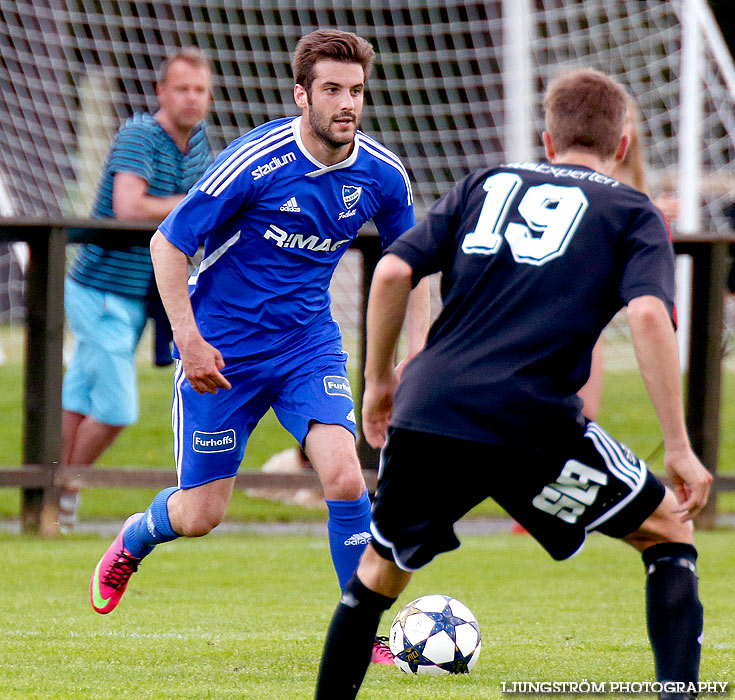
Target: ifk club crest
{"points": [[351, 195]]}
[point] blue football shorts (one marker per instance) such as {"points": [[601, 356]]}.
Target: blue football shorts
{"points": [[100, 379], [559, 493], [211, 430]]}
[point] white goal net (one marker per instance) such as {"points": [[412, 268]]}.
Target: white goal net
{"points": [[441, 94]]}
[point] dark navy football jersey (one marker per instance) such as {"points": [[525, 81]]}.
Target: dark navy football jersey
{"points": [[535, 260]]}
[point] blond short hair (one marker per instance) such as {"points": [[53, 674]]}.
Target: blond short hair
{"points": [[192, 55]]}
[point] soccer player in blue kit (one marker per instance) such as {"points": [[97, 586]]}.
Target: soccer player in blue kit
{"points": [[252, 325], [536, 258]]}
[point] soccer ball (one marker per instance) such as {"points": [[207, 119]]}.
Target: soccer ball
{"points": [[435, 635]]}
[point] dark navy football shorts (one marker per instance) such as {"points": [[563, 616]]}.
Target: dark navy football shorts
{"points": [[559, 493], [211, 430]]}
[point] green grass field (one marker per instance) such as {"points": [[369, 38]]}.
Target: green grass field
{"points": [[626, 413], [244, 616]]}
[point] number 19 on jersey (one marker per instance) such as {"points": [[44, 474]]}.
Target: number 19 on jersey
{"points": [[551, 214]]}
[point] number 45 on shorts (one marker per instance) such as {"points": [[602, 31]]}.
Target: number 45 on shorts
{"points": [[574, 491]]}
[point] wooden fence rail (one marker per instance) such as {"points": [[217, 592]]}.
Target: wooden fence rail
{"points": [[86, 477], [42, 477]]}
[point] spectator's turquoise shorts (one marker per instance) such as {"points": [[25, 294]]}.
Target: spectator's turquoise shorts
{"points": [[100, 380]]}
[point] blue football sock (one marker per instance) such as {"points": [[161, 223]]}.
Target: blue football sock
{"points": [[349, 532], [153, 528]]}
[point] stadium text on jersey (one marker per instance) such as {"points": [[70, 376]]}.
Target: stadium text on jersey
{"points": [[273, 164]]}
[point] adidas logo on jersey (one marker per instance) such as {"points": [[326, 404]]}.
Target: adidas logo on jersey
{"points": [[351, 416], [291, 205], [358, 538]]}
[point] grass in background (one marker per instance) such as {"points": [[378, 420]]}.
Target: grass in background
{"points": [[626, 413], [244, 617]]}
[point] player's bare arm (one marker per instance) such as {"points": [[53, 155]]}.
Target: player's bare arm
{"points": [[202, 362], [657, 355], [387, 304], [131, 201], [418, 320]]}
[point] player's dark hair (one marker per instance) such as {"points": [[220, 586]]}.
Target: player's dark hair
{"points": [[333, 45], [192, 55], [585, 109]]}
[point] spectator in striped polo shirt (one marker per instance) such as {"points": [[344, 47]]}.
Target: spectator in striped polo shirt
{"points": [[153, 162]]}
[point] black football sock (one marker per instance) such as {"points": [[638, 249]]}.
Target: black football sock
{"points": [[349, 644], [673, 610]]}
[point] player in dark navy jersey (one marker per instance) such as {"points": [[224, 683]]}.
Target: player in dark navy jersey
{"points": [[535, 258]]}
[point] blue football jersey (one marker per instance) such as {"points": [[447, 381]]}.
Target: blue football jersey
{"points": [[274, 223], [535, 259]]}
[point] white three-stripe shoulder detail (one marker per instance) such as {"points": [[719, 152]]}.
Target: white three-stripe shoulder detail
{"points": [[242, 157], [369, 140], [246, 164], [384, 155], [241, 152]]}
